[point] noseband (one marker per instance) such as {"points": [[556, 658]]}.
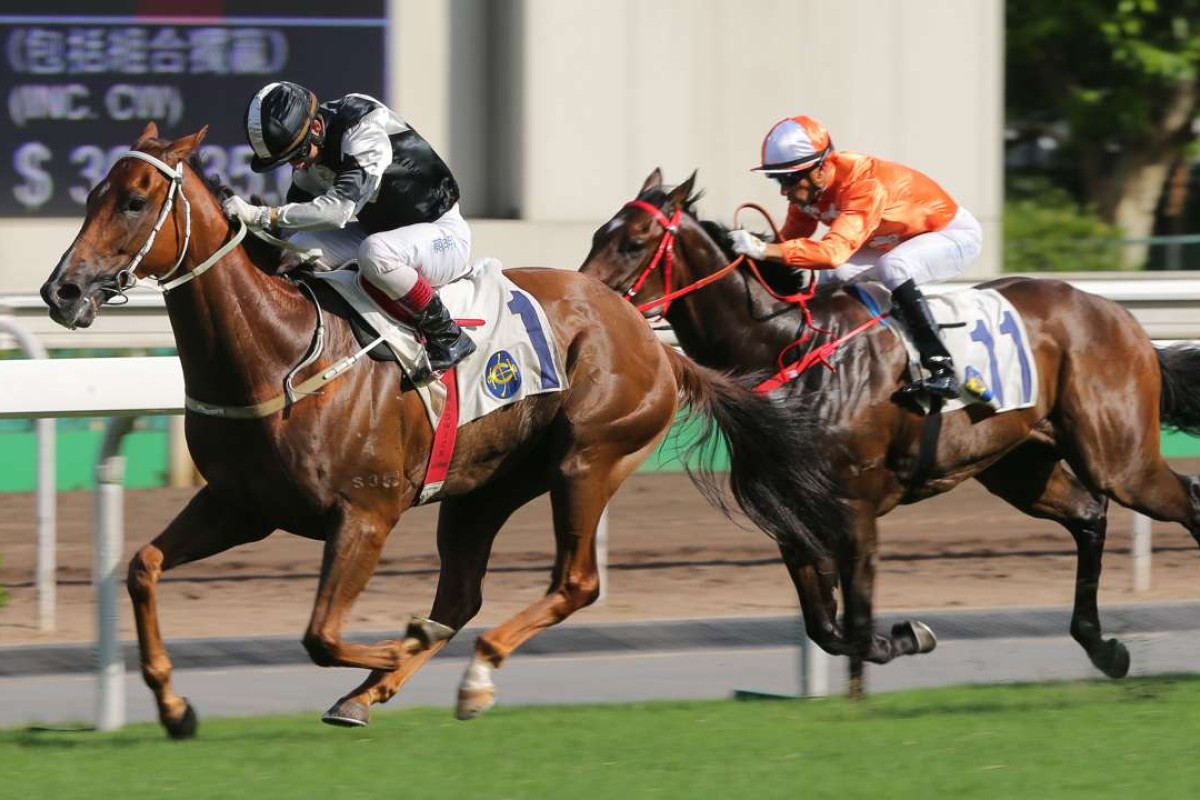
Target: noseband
{"points": [[128, 277]]}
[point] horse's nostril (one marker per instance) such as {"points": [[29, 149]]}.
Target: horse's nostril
{"points": [[67, 293]]}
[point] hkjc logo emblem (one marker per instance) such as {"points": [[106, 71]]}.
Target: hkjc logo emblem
{"points": [[502, 376]]}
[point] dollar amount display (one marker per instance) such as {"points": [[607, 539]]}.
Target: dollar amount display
{"points": [[42, 175], [78, 90]]}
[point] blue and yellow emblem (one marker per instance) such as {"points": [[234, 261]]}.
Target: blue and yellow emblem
{"points": [[502, 376]]}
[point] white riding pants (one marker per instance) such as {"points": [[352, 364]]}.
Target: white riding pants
{"points": [[392, 260], [928, 257]]}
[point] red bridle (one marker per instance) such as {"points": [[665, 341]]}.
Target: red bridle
{"points": [[666, 254]]}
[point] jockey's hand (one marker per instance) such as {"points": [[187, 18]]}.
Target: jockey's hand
{"points": [[252, 216], [747, 244]]}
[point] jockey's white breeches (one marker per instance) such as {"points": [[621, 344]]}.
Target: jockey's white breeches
{"points": [[928, 257], [392, 260]]}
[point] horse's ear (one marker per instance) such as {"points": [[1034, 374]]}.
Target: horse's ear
{"points": [[682, 192], [180, 149], [148, 133], [653, 181]]}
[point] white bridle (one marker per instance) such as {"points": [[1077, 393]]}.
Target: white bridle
{"points": [[128, 277]]}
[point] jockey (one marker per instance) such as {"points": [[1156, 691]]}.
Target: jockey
{"points": [[365, 185], [887, 222]]}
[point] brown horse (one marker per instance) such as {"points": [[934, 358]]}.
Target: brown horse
{"points": [[342, 465], [1093, 435]]}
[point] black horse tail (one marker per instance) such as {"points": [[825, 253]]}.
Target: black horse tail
{"points": [[1179, 403], [777, 479]]}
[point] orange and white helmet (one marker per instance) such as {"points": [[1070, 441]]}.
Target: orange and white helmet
{"points": [[794, 144]]}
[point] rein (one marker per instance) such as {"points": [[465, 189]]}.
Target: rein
{"points": [[666, 254]]}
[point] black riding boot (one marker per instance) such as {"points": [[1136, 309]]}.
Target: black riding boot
{"points": [[909, 305], [445, 343]]}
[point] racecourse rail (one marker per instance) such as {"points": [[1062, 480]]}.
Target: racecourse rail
{"points": [[123, 388]]}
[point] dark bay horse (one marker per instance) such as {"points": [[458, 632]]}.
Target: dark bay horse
{"points": [[1093, 434], [341, 465]]}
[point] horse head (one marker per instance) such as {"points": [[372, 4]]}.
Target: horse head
{"points": [[640, 251], [138, 225]]}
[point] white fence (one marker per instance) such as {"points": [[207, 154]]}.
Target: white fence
{"points": [[121, 388]]}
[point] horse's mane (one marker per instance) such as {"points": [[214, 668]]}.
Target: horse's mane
{"points": [[263, 255]]}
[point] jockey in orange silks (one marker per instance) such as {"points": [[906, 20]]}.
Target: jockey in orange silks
{"points": [[887, 222]]}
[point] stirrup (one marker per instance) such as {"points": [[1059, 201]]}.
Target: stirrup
{"points": [[977, 390], [944, 386]]}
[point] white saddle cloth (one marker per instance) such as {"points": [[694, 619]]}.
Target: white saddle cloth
{"points": [[986, 337], [516, 354]]}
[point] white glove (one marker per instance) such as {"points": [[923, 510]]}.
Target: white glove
{"points": [[748, 244], [252, 216]]}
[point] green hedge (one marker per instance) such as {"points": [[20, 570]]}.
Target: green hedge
{"points": [[1045, 230]]}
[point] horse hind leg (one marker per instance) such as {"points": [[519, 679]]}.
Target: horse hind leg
{"points": [[578, 497], [467, 526], [1034, 481], [857, 568], [204, 528]]}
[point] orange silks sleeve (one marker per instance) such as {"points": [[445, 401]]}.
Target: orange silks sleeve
{"points": [[860, 209], [798, 224]]}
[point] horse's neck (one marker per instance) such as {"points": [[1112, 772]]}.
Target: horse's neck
{"points": [[237, 329], [733, 323]]}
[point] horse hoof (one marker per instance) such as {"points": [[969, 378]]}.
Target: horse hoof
{"points": [[347, 714], [920, 634], [185, 726], [473, 702], [1113, 659]]}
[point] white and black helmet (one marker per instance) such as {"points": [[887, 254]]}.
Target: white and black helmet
{"points": [[279, 123]]}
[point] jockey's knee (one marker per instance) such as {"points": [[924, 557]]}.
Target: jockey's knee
{"points": [[388, 269]]}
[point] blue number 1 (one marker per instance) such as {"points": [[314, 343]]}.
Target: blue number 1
{"points": [[983, 335], [524, 309], [1009, 326]]}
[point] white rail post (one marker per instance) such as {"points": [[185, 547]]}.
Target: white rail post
{"points": [[602, 554], [1141, 551], [814, 667], [107, 547], [47, 487]]}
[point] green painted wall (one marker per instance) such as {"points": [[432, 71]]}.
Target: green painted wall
{"points": [[146, 453]]}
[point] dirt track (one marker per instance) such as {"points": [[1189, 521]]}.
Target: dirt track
{"points": [[670, 555]]}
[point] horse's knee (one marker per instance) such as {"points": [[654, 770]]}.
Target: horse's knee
{"points": [[320, 648], [143, 572]]}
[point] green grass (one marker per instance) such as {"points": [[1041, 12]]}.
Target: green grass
{"points": [[1136, 738]]}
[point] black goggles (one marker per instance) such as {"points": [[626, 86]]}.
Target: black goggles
{"points": [[788, 180]]}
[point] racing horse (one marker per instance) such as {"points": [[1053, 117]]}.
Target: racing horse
{"points": [[341, 465], [1093, 434]]}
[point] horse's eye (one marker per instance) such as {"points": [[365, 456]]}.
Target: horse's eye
{"points": [[135, 204], [629, 247]]}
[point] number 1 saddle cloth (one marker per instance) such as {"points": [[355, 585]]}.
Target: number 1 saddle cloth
{"points": [[516, 354], [986, 337]]}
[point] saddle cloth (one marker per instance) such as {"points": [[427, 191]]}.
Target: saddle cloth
{"points": [[516, 354], [986, 337]]}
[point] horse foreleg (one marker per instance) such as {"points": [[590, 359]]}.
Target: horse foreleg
{"points": [[351, 554], [467, 526], [578, 502], [1035, 482], [204, 528]]}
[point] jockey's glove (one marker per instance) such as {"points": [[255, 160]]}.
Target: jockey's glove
{"points": [[250, 215], [747, 244]]}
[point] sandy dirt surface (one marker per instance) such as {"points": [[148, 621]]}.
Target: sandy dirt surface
{"points": [[670, 556]]}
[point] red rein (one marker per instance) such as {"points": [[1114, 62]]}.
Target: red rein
{"points": [[665, 255]]}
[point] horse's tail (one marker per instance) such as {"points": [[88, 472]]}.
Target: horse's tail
{"points": [[1179, 403], [780, 484]]}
